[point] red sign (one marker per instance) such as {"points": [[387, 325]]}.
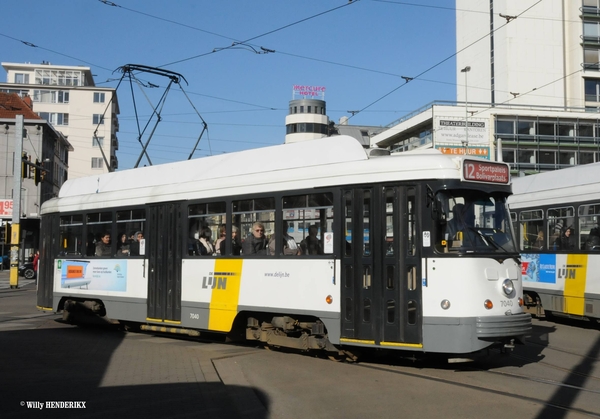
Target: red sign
{"points": [[6, 207], [489, 172]]}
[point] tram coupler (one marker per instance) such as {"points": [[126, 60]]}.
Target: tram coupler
{"points": [[508, 347]]}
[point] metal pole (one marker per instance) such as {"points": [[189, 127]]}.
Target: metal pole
{"points": [[16, 215], [466, 142]]}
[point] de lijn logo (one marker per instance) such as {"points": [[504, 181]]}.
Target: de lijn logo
{"points": [[568, 271], [216, 280]]}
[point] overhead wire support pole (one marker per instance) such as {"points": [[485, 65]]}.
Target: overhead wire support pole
{"points": [[156, 110], [204, 127], [158, 119]]}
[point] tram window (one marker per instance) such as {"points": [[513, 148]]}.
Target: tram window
{"points": [[129, 222], [412, 312], [389, 276], [71, 235], [391, 311], [531, 229], [559, 219], [98, 224], [348, 223], [589, 216], [204, 218], [348, 311], [308, 217], [411, 278], [249, 211], [366, 219], [349, 279], [412, 222], [366, 310], [390, 219]]}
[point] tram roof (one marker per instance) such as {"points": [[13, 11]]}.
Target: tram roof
{"points": [[564, 186], [338, 160]]}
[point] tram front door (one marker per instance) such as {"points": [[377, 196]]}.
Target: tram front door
{"points": [[163, 254], [381, 269]]}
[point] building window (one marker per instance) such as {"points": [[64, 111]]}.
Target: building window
{"points": [[22, 78], [505, 127], [547, 157], [591, 31], [98, 97], [526, 127], [591, 58], [51, 96], [508, 156], [586, 157], [97, 141], [566, 158], [55, 118], [59, 77], [98, 119], [592, 90], [590, 6], [97, 163]]}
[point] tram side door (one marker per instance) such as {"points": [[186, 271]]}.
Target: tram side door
{"points": [[164, 251], [381, 294], [49, 243]]}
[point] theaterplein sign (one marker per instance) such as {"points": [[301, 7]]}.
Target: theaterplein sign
{"points": [[452, 137]]}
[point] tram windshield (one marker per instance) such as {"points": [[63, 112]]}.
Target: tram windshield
{"points": [[473, 222]]}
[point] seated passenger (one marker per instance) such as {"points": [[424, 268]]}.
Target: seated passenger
{"points": [[539, 241], [236, 247], [256, 242], [220, 242], [205, 246], [311, 245], [290, 247], [134, 247], [593, 240], [103, 247]]}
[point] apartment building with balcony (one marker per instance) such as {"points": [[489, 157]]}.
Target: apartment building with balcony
{"points": [[67, 97]]}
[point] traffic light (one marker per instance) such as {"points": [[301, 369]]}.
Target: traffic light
{"points": [[24, 166], [37, 172], [5, 233]]}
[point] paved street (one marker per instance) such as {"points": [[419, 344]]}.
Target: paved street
{"points": [[50, 369], [112, 374], [5, 280]]}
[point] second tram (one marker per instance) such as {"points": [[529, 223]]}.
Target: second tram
{"points": [[556, 216], [412, 252]]}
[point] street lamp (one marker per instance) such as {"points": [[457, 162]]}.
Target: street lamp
{"points": [[466, 142]]}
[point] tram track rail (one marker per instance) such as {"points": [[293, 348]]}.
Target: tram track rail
{"points": [[496, 391]]}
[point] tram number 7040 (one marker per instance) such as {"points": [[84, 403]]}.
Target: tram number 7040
{"points": [[506, 303]]}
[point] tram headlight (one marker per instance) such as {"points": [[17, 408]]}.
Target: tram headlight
{"points": [[445, 304], [508, 287]]}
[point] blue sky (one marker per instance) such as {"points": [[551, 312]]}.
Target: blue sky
{"points": [[357, 50]]}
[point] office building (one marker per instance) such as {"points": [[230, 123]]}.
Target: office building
{"points": [[528, 87]]}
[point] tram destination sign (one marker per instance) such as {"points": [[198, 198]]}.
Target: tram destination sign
{"points": [[488, 172]]}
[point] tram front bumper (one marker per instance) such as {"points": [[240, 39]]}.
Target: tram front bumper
{"points": [[499, 327]]}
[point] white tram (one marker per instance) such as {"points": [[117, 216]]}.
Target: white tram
{"points": [[561, 275], [387, 272]]}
